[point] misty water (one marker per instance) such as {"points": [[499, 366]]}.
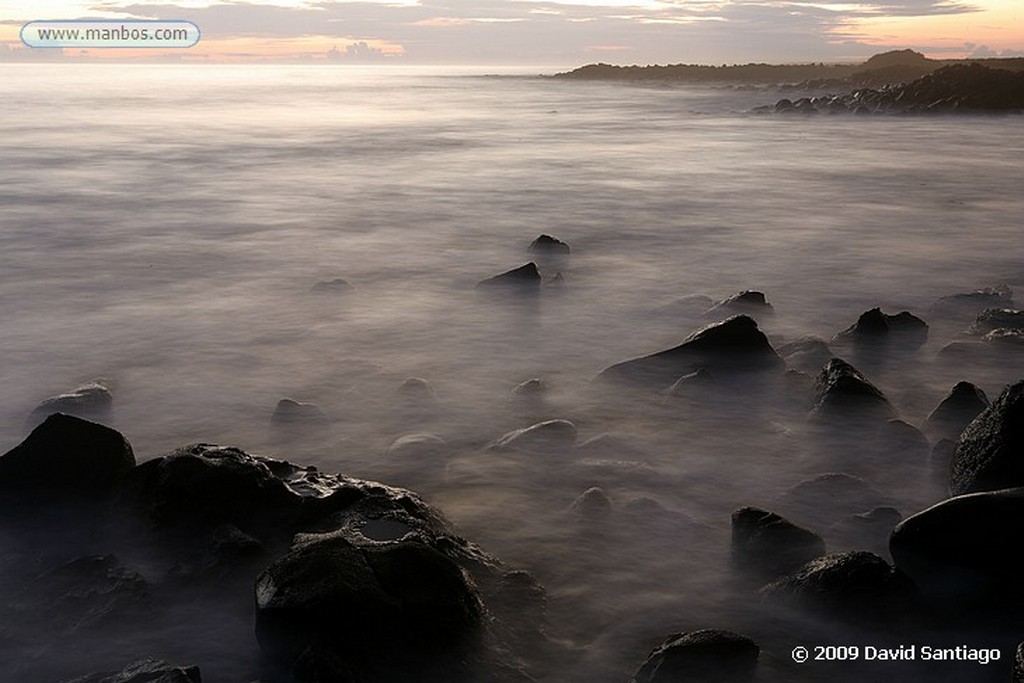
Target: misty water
{"points": [[163, 228]]}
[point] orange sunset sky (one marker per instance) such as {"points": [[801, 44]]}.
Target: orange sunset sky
{"points": [[544, 32]]}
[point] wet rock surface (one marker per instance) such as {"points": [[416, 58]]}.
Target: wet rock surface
{"points": [[710, 655], [92, 401], [842, 392], [145, 671], [875, 327], [546, 244], [950, 90], [963, 403], [988, 453], [961, 551], [733, 345]]}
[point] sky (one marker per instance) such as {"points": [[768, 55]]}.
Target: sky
{"points": [[545, 32]]}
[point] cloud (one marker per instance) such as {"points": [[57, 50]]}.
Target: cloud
{"points": [[556, 31]]}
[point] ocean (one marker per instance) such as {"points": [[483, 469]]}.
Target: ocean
{"points": [[163, 228]]}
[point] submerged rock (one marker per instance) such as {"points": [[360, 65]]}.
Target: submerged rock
{"points": [[735, 344], [92, 401], [965, 548], [290, 411], [417, 446], [146, 671], [866, 530], [550, 435], [748, 301], [89, 592], [859, 585], [336, 285], [964, 403], [526, 276], [710, 656], [66, 457], [841, 391], [592, 504], [530, 389], [768, 545], [989, 452], [546, 244], [831, 497], [988, 297], [807, 354]]}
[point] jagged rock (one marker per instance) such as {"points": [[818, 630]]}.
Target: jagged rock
{"points": [[768, 545], [735, 344], [92, 401], [417, 446], [547, 436], [546, 244], [391, 607], [146, 671], [336, 285], [859, 585], [874, 327], [709, 656], [747, 301], [992, 319], [841, 391], [592, 504], [989, 452], [290, 411], [1004, 338], [526, 276], [66, 457], [965, 548], [964, 403]]}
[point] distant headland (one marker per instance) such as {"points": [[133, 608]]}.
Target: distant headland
{"points": [[896, 66]]}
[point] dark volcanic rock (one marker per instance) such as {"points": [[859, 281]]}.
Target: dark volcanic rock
{"points": [[990, 452], [992, 319], [710, 656], [92, 401], [960, 88], [842, 392], [876, 327], [525, 276], [1018, 664], [384, 607], [66, 457], [146, 671], [546, 244], [735, 344], [966, 547], [964, 402], [768, 546], [858, 585]]}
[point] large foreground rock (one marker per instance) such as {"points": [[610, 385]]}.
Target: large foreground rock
{"points": [[965, 548], [146, 671], [990, 452], [735, 344], [855, 585], [66, 457], [710, 656]]}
